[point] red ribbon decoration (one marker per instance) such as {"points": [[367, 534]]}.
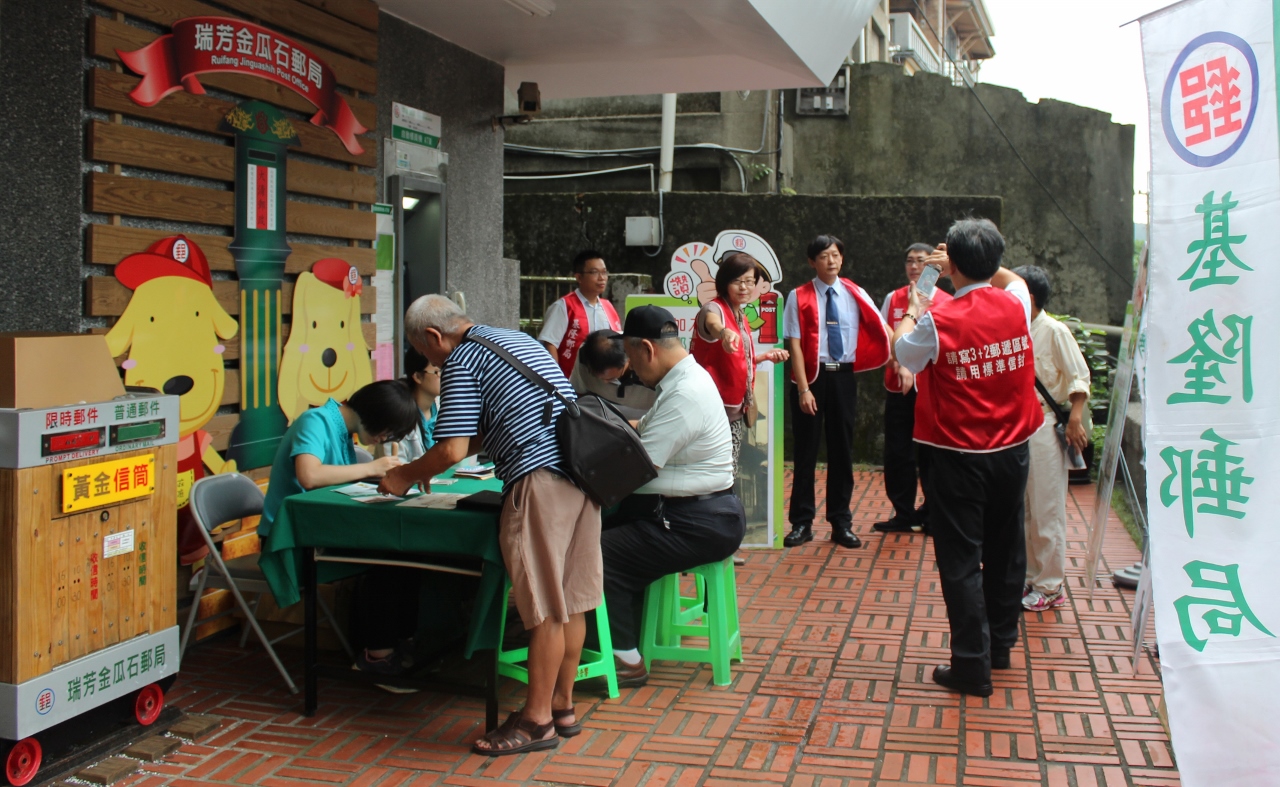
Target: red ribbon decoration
{"points": [[210, 44]]}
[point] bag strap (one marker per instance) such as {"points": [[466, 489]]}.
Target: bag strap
{"points": [[1058, 412], [529, 374]]}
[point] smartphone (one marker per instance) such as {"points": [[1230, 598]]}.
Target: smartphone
{"points": [[928, 281]]}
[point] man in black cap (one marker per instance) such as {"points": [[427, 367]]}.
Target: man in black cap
{"points": [[688, 515]]}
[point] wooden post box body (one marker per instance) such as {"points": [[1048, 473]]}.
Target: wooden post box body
{"points": [[88, 556]]}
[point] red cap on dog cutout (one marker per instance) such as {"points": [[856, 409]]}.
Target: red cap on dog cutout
{"points": [[172, 256], [339, 274]]}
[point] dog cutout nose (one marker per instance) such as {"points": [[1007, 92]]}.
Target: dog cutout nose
{"points": [[329, 357], [177, 386]]}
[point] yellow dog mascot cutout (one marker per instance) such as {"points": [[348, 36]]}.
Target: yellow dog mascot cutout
{"points": [[172, 329], [326, 356]]}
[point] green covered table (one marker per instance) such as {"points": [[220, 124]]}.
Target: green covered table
{"points": [[323, 535]]}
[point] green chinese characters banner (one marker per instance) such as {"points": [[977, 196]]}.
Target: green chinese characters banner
{"points": [[1212, 388]]}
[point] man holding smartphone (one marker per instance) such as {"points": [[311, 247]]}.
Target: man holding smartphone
{"points": [[976, 410], [902, 456]]}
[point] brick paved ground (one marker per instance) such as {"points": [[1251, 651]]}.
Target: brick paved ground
{"points": [[834, 692]]}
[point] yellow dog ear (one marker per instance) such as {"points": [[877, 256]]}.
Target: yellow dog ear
{"points": [[224, 324], [120, 337], [287, 389]]}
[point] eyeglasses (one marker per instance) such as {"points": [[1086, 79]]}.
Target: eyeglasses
{"points": [[744, 284], [599, 274], [436, 372]]}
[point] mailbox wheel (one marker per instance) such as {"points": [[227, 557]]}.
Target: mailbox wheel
{"points": [[22, 761], [147, 707]]}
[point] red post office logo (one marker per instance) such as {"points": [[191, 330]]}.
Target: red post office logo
{"points": [[1210, 98]]}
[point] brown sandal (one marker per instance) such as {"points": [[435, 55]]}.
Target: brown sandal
{"points": [[566, 730], [516, 736]]}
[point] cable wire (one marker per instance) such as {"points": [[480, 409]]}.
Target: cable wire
{"points": [[1128, 281]]}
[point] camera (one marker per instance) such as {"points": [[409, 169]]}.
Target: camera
{"points": [[529, 98]]}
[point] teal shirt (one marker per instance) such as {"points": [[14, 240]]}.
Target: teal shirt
{"points": [[414, 445], [320, 432]]}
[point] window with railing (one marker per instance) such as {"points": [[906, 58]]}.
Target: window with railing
{"points": [[907, 42]]}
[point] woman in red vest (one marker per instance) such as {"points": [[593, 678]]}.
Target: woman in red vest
{"points": [[976, 408], [722, 342]]}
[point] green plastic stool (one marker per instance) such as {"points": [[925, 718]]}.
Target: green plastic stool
{"points": [[712, 612], [594, 664]]}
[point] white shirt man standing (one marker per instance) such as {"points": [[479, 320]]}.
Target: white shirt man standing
{"points": [[570, 319]]}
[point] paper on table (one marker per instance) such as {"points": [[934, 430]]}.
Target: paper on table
{"points": [[360, 489], [378, 499], [446, 501]]}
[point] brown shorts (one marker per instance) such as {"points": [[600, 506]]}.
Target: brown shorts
{"points": [[550, 538]]}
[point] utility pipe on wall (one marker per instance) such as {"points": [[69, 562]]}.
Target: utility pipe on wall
{"points": [[666, 152]]}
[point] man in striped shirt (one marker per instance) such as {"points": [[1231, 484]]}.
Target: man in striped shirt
{"points": [[549, 529]]}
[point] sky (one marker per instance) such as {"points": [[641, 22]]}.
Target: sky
{"points": [[1077, 51]]}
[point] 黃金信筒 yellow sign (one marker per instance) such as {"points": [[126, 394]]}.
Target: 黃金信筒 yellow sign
{"points": [[109, 482]]}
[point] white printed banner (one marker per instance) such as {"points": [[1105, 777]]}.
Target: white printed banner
{"points": [[1212, 401]]}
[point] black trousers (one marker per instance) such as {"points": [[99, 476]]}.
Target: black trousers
{"points": [[837, 396], [975, 520], [387, 604], [903, 461], [654, 539]]}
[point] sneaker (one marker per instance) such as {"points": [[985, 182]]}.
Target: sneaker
{"points": [[391, 665], [1035, 601]]}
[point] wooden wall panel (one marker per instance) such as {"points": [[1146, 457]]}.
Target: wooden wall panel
{"points": [[348, 71], [106, 36], [109, 92], [357, 12], [139, 147], [341, 32], [312, 23], [106, 297], [109, 243], [178, 202]]}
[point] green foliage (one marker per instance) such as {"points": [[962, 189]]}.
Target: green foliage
{"points": [[787, 191], [760, 171]]}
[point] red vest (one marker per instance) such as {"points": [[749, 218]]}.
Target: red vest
{"points": [[979, 395], [872, 350], [579, 326], [729, 371], [898, 307]]}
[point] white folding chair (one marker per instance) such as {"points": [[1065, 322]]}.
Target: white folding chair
{"points": [[216, 500]]}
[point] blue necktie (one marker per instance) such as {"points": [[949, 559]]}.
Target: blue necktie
{"points": [[835, 341]]}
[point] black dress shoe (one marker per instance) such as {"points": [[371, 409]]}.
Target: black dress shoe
{"points": [[844, 537], [800, 534], [892, 525], [943, 677], [999, 659]]}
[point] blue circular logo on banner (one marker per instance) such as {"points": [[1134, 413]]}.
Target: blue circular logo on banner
{"points": [[1213, 86]]}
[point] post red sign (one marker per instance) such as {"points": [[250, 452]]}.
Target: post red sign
{"points": [[210, 44]]}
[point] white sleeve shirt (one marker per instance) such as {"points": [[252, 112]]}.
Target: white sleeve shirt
{"points": [[917, 349], [849, 316]]}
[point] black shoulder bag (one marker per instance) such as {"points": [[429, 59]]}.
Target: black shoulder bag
{"points": [[602, 453], [1073, 456]]}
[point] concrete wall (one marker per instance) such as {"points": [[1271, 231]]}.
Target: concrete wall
{"points": [[545, 230], [466, 91], [41, 52], [921, 136]]}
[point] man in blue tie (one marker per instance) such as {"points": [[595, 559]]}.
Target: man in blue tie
{"points": [[832, 330]]}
